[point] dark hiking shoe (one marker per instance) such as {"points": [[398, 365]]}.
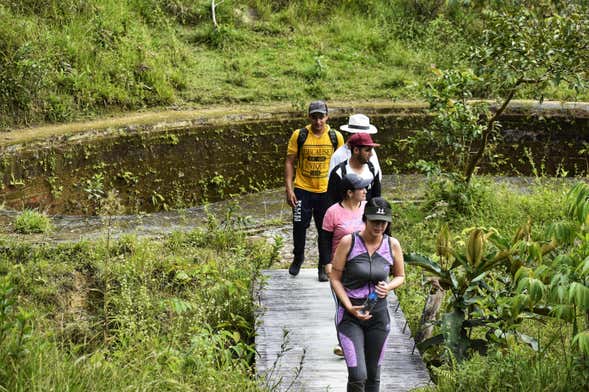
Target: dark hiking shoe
{"points": [[295, 267], [323, 275]]}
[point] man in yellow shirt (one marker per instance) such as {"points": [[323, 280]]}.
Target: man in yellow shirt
{"points": [[311, 149]]}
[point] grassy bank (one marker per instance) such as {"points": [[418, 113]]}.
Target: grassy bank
{"points": [[65, 60], [175, 314]]}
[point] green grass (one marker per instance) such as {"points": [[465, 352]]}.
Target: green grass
{"points": [[66, 60], [174, 314]]}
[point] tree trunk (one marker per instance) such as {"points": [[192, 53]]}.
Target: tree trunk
{"points": [[430, 312]]}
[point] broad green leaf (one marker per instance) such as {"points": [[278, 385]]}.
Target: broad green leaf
{"points": [[461, 260], [478, 277], [523, 272], [423, 262], [563, 232], [473, 300], [564, 312], [182, 276], [433, 341], [519, 303], [579, 295], [454, 335], [475, 247], [536, 289], [583, 268], [581, 340]]}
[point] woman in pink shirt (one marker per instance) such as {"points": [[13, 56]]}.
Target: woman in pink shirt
{"points": [[345, 217]]}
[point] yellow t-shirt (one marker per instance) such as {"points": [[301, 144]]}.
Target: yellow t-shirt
{"points": [[313, 163]]}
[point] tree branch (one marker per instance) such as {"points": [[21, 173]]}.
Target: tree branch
{"points": [[472, 164], [213, 6]]}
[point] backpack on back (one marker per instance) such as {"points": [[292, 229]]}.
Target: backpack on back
{"points": [[304, 132], [342, 166]]}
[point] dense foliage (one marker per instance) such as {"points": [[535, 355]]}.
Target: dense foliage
{"points": [[533, 49], [65, 60], [174, 314], [514, 270], [177, 314]]}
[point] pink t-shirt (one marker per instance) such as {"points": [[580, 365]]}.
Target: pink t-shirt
{"points": [[341, 221]]}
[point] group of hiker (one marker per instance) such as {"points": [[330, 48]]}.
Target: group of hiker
{"points": [[339, 185]]}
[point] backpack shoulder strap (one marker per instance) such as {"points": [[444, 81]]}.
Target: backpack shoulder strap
{"points": [[303, 133], [371, 168], [342, 167], [354, 234], [333, 138]]}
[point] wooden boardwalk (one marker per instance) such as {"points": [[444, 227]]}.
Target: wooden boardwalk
{"points": [[302, 309]]}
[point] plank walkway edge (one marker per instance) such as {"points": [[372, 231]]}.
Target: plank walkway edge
{"points": [[295, 336]]}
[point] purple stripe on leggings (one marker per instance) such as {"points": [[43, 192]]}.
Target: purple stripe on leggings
{"points": [[381, 356], [349, 350]]}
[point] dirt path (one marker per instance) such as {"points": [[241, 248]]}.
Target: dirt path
{"points": [[171, 119]]}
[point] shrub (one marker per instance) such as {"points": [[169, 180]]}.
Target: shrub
{"points": [[30, 221]]}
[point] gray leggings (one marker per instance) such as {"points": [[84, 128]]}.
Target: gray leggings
{"points": [[363, 345]]}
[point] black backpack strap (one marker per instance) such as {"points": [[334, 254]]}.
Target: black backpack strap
{"points": [[352, 244], [303, 133], [371, 168], [333, 138], [342, 167]]}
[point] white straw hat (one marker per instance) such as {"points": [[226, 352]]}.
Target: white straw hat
{"points": [[359, 123]]}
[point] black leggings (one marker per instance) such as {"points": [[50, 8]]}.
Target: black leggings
{"points": [[363, 345]]}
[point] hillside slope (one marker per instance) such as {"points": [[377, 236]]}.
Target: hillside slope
{"points": [[68, 60]]}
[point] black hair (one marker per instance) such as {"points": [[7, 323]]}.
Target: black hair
{"points": [[344, 193], [378, 202]]}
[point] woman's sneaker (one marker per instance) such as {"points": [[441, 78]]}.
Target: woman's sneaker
{"points": [[337, 350]]}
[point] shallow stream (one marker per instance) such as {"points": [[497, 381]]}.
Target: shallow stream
{"points": [[264, 214]]}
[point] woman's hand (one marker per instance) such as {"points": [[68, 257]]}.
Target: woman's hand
{"points": [[359, 313], [382, 289]]}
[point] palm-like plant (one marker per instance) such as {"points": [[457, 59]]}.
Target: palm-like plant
{"points": [[479, 274]]}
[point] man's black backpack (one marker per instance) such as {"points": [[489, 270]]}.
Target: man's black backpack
{"points": [[342, 167], [304, 132]]}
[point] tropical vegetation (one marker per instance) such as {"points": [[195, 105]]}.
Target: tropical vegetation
{"points": [[176, 313], [131, 313], [65, 60]]}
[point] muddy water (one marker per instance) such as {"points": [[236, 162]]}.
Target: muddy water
{"points": [[264, 214]]}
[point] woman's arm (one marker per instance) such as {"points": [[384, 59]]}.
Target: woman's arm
{"points": [[327, 242], [339, 263]]}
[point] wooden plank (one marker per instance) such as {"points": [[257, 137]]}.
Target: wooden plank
{"points": [[295, 336]]}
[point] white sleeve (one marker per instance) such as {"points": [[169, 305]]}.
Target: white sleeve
{"points": [[374, 160], [340, 155]]}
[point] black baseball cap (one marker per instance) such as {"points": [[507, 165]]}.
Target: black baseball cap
{"points": [[378, 213], [318, 107]]}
